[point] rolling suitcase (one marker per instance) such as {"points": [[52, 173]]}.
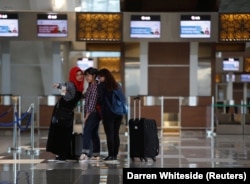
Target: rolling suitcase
{"points": [[77, 138], [76, 146], [144, 141]]}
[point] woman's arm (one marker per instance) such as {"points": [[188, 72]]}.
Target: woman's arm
{"points": [[70, 91]]}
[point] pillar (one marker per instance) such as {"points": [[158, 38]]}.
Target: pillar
{"points": [[5, 67], [143, 68], [57, 64], [193, 69]]}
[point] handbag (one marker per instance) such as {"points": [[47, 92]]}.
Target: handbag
{"points": [[62, 116]]}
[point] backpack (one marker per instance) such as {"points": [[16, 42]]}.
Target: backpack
{"points": [[118, 105]]}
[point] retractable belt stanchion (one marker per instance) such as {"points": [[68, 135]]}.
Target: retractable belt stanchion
{"points": [[14, 148], [211, 133], [128, 133], [32, 149]]}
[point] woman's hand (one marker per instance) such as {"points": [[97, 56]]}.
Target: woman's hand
{"points": [[86, 117], [56, 85]]}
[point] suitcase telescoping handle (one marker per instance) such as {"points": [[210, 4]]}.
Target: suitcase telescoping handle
{"points": [[138, 97]]}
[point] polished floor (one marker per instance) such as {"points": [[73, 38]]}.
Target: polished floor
{"points": [[23, 164]]}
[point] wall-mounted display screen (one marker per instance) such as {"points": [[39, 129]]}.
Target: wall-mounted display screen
{"points": [[245, 77], [232, 64], [52, 25], [8, 25], [85, 63], [145, 26], [195, 26]]}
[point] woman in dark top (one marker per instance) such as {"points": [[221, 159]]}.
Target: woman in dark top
{"points": [[61, 127], [111, 122]]}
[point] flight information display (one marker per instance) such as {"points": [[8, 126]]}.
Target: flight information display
{"points": [[9, 25], [52, 25]]}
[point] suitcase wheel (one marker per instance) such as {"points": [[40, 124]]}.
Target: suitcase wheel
{"points": [[132, 158], [154, 159], [145, 159], [141, 158]]}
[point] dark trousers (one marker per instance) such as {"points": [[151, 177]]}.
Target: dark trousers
{"points": [[91, 134], [111, 124]]}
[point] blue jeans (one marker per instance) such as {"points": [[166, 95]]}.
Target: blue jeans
{"points": [[90, 134], [111, 124]]}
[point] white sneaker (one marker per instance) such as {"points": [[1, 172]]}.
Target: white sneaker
{"points": [[83, 157]]}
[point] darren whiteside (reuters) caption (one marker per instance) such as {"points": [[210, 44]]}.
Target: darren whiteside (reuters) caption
{"points": [[176, 175]]}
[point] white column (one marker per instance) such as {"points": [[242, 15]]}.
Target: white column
{"points": [[230, 87], [5, 67], [143, 68], [245, 92], [57, 64], [193, 69]]}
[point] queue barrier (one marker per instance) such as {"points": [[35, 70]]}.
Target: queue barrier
{"points": [[17, 120], [17, 126]]}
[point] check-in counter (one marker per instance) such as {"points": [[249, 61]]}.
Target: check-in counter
{"points": [[7, 103], [46, 106], [229, 120], [196, 113], [150, 107], [173, 114], [246, 127], [229, 124]]}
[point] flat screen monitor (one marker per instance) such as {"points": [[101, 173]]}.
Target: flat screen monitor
{"points": [[145, 26], [232, 64], [245, 77], [195, 26], [9, 25], [85, 63], [52, 25]]}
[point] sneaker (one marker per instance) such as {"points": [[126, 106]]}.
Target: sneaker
{"points": [[83, 157]]}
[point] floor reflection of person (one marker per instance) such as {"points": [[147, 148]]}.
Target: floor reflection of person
{"points": [[63, 175], [113, 175]]}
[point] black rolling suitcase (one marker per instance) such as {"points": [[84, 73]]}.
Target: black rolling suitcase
{"points": [[143, 137], [76, 138], [76, 146]]}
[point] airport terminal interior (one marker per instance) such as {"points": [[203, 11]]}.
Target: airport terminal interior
{"points": [[194, 84]]}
